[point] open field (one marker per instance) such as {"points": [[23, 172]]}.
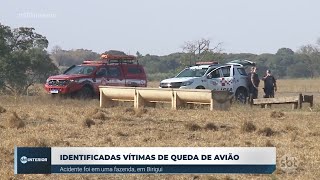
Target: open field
{"points": [[43, 121]]}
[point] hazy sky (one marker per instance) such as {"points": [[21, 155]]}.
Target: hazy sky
{"points": [[162, 26]]}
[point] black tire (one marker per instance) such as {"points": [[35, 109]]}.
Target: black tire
{"points": [[85, 93], [200, 87], [241, 96]]}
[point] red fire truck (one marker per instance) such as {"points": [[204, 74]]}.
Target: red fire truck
{"points": [[111, 70]]}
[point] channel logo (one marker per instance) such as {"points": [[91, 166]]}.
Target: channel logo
{"points": [[24, 159]]}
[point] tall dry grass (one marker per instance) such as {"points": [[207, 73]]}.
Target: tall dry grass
{"points": [[70, 122]]}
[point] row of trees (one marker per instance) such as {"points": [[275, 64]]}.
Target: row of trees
{"points": [[68, 58], [285, 63], [25, 61]]}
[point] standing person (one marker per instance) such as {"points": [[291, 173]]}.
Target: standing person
{"points": [[270, 85], [253, 84]]}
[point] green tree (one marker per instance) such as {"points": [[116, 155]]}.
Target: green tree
{"points": [[57, 55], [298, 70], [67, 58], [313, 60], [284, 52], [24, 59], [115, 52], [200, 50], [139, 55]]}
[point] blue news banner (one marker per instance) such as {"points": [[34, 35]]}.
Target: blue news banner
{"points": [[144, 160]]}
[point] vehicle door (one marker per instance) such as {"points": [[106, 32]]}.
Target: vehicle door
{"points": [[115, 76], [135, 76], [100, 78], [221, 79]]}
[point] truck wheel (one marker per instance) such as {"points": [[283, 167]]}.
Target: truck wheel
{"points": [[85, 93], [200, 87], [241, 96]]}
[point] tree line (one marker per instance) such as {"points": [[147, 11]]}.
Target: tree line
{"points": [[24, 59], [285, 63]]}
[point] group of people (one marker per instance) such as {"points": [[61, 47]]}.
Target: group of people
{"points": [[270, 85]]}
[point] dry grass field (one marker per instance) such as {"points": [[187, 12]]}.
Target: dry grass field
{"points": [[43, 121]]}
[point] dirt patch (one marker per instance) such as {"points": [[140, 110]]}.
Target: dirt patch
{"points": [[248, 126], [121, 134], [277, 114], [139, 112], [193, 127], [36, 142], [267, 132], [100, 116], [2, 110], [269, 144], [211, 126], [130, 111], [14, 121], [88, 122]]}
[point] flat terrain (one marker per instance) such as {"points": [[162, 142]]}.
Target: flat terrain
{"points": [[43, 121]]}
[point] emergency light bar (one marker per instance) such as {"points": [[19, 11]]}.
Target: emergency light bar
{"points": [[117, 57], [113, 59], [206, 63], [94, 62]]}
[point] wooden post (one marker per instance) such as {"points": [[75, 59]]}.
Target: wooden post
{"points": [[211, 104], [139, 100], [295, 105], [176, 101], [300, 101], [309, 99], [102, 100], [250, 100]]}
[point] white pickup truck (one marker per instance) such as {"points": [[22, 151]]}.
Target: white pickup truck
{"points": [[231, 77]]}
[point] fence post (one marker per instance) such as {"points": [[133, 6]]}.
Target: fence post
{"points": [[211, 103], [139, 100], [102, 99], [177, 102], [300, 101]]}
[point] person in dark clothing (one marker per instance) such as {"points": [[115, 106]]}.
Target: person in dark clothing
{"points": [[254, 82], [270, 85]]}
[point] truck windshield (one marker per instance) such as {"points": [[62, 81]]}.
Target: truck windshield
{"points": [[86, 70], [192, 72]]}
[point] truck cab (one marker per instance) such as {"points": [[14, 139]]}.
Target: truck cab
{"points": [[84, 79], [231, 77]]}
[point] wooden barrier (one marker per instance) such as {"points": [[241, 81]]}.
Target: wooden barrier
{"points": [[177, 97], [109, 94], [308, 99], [296, 101], [150, 95], [192, 96]]}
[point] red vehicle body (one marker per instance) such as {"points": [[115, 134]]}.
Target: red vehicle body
{"points": [[85, 79]]}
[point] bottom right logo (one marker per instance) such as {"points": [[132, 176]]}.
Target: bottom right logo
{"points": [[289, 163]]}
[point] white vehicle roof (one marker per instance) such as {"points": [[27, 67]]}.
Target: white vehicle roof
{"points": [[238, 62], [200, 67]]}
